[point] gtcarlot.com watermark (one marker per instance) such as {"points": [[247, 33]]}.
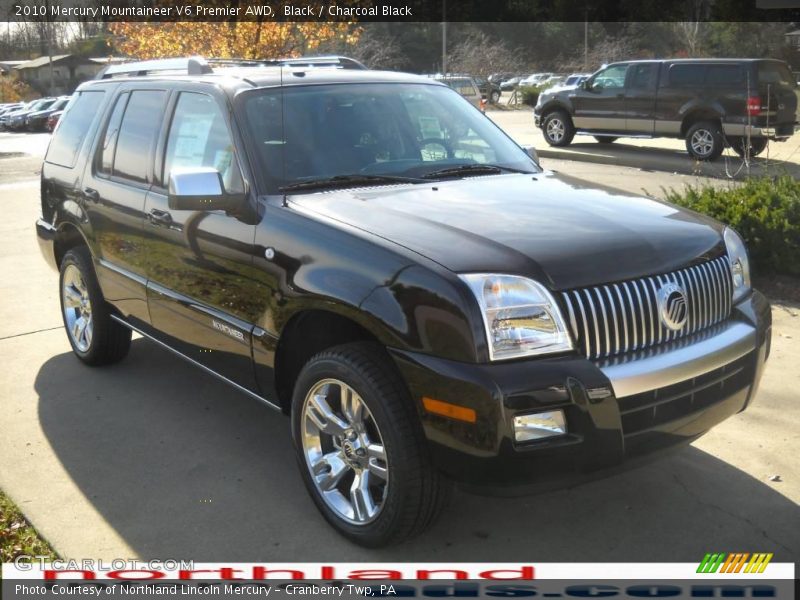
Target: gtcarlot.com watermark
{"points": [[30, 563]]}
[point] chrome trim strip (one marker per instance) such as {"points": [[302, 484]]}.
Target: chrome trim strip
{"points": [[607, 339], [241, 388], [680, 364], [585, 324], [596, 324], [124, 272]]}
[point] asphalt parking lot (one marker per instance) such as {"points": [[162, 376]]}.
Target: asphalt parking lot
{"points": [[152, 458]]}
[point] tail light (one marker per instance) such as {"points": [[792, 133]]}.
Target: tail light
{"points": [[753, 106], [483, 105]]}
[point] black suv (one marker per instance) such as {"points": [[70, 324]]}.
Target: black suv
{"points": [[366, 252], [711, 103]]}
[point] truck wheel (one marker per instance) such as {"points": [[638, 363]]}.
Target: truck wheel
{"points": [[558, 128], [757, 145], [605, 139], [94, 336], [360, 447], [704, 140]]}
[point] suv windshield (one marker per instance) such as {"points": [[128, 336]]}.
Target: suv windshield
{"points": [[311, 133]]}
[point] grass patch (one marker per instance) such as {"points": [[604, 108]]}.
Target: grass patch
{"points": [[17, 536]]}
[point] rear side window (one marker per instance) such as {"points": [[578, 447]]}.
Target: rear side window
{"points": [[74, 128], [106, 151], [137, 132], [725, 75], [686, 75], [643, 76], [462, 86], [773, 72]]}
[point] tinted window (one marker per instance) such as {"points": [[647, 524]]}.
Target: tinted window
{"points": [[106, 150], [644, 76], [199, 137], [724, 75], [73, 128], [685, 75], [135, 139], [462, 86], [772, 72]]}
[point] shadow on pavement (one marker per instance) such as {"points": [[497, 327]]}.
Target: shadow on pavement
{"points": [[672, 160], [184, 467]]}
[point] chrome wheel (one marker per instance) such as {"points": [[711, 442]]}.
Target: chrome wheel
{"points": [[555, 129], [702, 142], [344, 451], [77, 308]]}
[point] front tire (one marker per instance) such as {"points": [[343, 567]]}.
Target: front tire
{"points": [[94, 336], [360, 448], [704, 140], [558, 128], [494, 97]]}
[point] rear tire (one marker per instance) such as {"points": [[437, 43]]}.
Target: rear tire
{"points": [[360, 447], [558, 129], [757, 146], [494, 97], [606, 139], [704, 140], [94, 336]]}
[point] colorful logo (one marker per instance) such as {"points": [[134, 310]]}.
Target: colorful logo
{"points": [[734, 563]]}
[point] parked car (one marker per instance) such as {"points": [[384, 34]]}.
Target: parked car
{"points": [[711, 103], [576, 79], [6, 114], [15, 121], [53, 119], [534, 80], [367, 254], [37, 120], [489, 90], [466, 86], [552, 81], [510, 84]]}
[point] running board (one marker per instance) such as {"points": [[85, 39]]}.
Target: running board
{"points": [[642, 136], [241, 388]]}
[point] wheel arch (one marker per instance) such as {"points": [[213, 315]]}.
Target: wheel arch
{"points": [[695, 114], [68, 236], [309, 332]]}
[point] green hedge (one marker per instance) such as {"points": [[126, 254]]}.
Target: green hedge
{"points": [[766, 213], [529, 94]]}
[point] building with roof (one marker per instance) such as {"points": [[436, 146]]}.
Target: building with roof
{"points": [[68, 71]]}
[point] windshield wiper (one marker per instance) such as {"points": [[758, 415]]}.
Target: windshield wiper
{"points": [[472, 169], [343, 181]]}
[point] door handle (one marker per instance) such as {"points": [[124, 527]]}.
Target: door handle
{"points": [[91, 194], [160, 218]]}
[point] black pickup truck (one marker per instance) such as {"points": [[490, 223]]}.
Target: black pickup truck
{"points": [[366, 252], [711, 103]]}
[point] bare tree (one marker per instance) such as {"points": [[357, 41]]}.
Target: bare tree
{"points": [[608, 50], [480, 56], [378, 52], [691, 34]]}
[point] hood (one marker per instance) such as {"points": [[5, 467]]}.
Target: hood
{"points": [[554, 228]]}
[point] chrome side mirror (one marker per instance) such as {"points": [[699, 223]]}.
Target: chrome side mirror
{"points": [[199, 188]]}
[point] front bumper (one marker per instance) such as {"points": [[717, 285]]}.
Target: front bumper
{"points": [[617, 412]]}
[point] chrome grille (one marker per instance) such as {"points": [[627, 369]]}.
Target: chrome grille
{"points": [[616, 318]]}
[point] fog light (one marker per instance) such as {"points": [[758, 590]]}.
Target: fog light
{"points": [[539, 425]]}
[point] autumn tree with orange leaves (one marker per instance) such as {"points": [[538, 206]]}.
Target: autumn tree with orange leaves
{"points": [[229, 39]]}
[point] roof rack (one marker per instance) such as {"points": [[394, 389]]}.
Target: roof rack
{"points": [[197, 65]]}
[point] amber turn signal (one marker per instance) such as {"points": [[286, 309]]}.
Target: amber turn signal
{"points": [[453, 411]]}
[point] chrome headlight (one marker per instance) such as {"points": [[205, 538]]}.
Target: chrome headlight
{"points": [[740, 266], [520, 315]]}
